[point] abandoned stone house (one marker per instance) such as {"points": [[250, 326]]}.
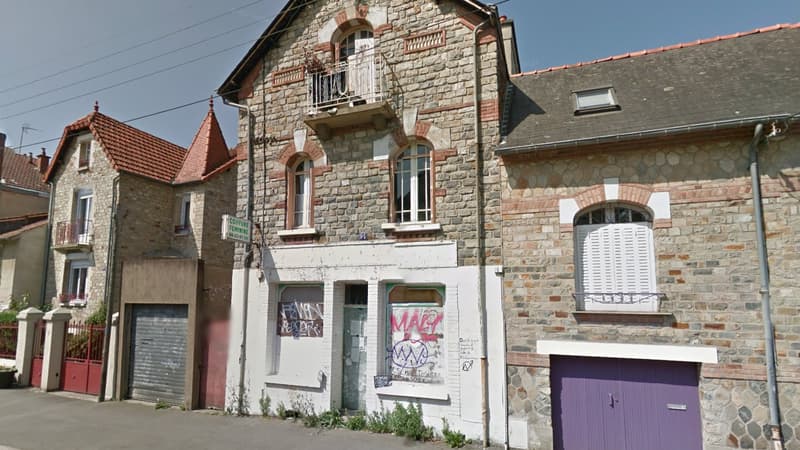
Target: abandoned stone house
{"points": [[136, 226], [631, 287], [375, 200]]}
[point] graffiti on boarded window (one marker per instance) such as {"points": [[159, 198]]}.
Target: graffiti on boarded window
{"points": [[417, 347], [300, 319]]}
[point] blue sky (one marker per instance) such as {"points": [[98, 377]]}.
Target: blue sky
{"points": [[57, 42]]}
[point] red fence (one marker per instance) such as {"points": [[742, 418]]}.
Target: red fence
{"points": [[38, 354], [83, 358], [8, 340]]}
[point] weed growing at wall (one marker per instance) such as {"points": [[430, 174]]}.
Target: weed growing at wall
{"points": [[357, 422], [331, 419], [455, 439], [264, 402], [233, 401], [161, 404], [281, 411], [378, 422]]}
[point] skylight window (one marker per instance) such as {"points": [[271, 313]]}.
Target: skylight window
{"points": [[595, 100]]}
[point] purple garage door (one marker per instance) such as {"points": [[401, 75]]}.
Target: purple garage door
{"points": [[624, 404]]}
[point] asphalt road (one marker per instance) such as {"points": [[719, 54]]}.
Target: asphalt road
{"points": [[30, 419]]}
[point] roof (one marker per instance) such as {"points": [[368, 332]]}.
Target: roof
{"points": [[727, 81], [21, 171], [273, 33], [207, 153], [18, 231], [8, 224], [128, 149]]}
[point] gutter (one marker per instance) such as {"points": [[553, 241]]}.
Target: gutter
{"points": [[109, 287], [246, 257], [633, 135], [479, 223], [7, 187]]}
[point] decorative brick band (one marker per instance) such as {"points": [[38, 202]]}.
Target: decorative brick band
{"points": [[441, 155], [379, 30], [424, 41], [445, 108], [288, 76], [246, 88], [382, 164], [754, 372], [527, 359], [489, 110], [311, 149], [324, 47], [439, 192], [277, 174]]}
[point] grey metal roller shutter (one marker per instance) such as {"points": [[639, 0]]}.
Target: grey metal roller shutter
{"points": [[158, 353]]}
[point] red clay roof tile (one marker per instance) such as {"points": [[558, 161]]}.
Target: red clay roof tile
{"points": [[21, 171], [207, 153]]}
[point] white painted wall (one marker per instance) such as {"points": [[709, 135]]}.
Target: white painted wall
{"points": [[374, 263]]}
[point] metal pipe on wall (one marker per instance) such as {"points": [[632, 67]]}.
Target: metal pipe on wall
{"points": [[109, 287]]}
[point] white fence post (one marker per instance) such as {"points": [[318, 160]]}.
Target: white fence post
{"points": [[111, 371], [54, 348], [26, 322]]}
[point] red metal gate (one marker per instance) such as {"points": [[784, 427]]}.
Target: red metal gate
{"points": [[38, 354], [215, 360], [83, 358]]}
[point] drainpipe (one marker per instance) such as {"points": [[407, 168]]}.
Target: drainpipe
{"points": [[109, 288], [763, 266], [47, 241], [247, 256], [479, 228]]}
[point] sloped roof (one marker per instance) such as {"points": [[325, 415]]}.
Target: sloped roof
{"points": [[22, 229], [22, 171], [127, 148], [207, 153], [732, 79], [273, 33], [8, 224]]}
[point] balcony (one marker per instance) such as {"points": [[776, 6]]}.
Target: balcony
{"points": [[348, 94], [73, 236], [645, 302]]}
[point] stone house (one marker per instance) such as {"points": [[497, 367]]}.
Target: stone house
{"points": [[631, 288], [375, 202], [24, 201], [126, 201]]}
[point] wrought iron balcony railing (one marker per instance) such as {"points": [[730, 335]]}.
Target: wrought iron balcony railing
{"points": [[74, 233], [618, 301], [360, 80]]}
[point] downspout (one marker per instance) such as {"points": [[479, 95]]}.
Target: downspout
{"points": [[47, 241], [246, 257], [109, 287], [479, 229], [763, 266]]}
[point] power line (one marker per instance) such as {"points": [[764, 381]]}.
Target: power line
{"points": [[126, 49], [127, 66]]}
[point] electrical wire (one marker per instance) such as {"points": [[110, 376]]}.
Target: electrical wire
{"points": [[127, 49]]}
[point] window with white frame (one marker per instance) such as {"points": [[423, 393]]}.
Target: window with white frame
{"points": [[76, 289], [615, 260], [595, 100], [82, 223], [412, 185], [416, 338], [299, 198], [184, 214], [84, 153]]}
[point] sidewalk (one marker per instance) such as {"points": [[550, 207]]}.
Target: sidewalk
{"points": [[34, 420]]}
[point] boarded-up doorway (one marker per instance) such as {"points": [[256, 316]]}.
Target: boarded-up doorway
{"points": [[214, 365]]}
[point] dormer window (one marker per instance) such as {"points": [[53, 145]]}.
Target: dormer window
{"points": [[84, 153], [595, 100]]}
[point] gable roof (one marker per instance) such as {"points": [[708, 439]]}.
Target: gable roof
{"points": [[21, 171], [728, 81], [273, 33], [207, 153], [128, 149]]}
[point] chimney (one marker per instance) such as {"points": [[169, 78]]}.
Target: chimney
{"points": [[43, 161]]}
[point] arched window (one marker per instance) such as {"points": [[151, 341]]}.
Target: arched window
{"points": [[412, 185], [357, 62], [615, 259], [360, 41], [299, 195]]}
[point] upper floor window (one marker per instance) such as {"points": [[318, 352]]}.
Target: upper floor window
{"points": [[412, 185], [299, 195], [84, 154], [82, 221], [184, 214], [360, 41], [615, 259]]}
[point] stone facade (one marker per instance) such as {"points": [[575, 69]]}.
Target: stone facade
{"points": [[706, 265]]}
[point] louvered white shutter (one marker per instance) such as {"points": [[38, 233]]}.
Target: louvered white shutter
{"points": [[615, 258]]}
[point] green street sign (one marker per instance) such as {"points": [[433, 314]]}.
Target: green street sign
{"points": [[235, 229]]}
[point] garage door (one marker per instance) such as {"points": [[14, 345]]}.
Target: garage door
{"points": [[619, 404], [158, 353]]}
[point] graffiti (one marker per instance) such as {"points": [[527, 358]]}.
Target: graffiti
{"points": [[417, 322], [409, 354], [300, 319], [467, 365]]}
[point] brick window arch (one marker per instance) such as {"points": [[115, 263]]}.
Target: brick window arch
{"points": [[615, 258]]}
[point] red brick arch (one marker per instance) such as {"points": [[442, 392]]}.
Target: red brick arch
{"points": [[311, 149]]}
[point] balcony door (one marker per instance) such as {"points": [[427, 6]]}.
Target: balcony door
{"points": [[83, 214], [358, 51]]}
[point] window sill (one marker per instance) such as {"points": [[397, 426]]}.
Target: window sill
{"points": [[412, 227], [414, 390], [297, 380], [625, 317], [183, 232], [83, 168], [298, 232]]}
